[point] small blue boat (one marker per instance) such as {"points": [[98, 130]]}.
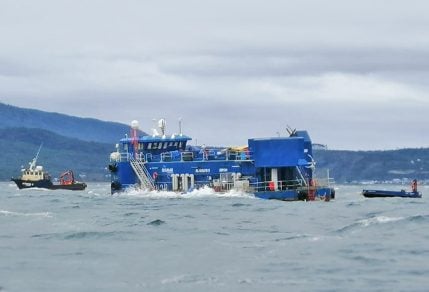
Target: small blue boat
{"points": [[390, 194]]}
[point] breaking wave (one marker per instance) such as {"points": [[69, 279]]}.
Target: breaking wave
{"points": [[377, 220], [11, 213], [82, 235], [196, 193], [156, 222]]}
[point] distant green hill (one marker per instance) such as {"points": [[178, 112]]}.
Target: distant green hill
{"points": [[68, 143], [349, 166], [18, 146], [81, 128]]}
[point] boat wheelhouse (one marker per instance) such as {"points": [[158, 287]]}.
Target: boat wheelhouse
{"points": [[271, 168]]}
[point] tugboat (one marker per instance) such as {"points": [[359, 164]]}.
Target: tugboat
{"points": [[391, 194], [35, 177], [270, 168]]}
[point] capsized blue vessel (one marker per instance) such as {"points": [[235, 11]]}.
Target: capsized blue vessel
{"points": [[271, 168]]}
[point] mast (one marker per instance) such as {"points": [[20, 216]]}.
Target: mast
{"points": [[134, 139], [33, 163]]}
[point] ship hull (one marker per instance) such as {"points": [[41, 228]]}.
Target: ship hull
{"points": [[302, 194], [47, 184]]}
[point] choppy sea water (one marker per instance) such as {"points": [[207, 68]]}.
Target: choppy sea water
{"points": [[92, 241]]}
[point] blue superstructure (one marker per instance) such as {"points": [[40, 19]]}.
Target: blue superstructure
{"points": [[271, 168]]}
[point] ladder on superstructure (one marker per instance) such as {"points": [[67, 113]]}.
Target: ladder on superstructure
{"points": [[146, 181]]}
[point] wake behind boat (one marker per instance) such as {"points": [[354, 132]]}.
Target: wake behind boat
{"points": [[35, 177], [390, 194]]}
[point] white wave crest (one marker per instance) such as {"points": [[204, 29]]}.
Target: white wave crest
{"points": [[11, 213], [196, 193], [379, 220]]}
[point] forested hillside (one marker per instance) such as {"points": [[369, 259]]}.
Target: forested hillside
{"points": [[18, 146], [68, 143], [348, 166], [81, 128]]}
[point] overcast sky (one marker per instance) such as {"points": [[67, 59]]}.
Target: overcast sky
{"points": [[355, 74]]}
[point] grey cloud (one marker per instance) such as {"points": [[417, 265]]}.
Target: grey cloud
{"points": [[267, 62], [233, 69]]}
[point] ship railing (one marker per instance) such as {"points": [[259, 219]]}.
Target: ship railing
{"points": [[281, 185], [216, 154], [187, 156], [127, 156], [166, 157], [124, 156], [141, 157], [239, 155], [321, 177], [323, 181], [208, 155]]}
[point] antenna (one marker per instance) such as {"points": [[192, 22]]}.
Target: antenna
{"points": [[180, 126], [290, 131], [161, 125]]}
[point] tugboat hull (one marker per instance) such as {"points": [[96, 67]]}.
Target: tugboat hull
{"points": [[47, 184], [26, 184]]}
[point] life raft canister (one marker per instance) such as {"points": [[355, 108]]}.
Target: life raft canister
{"points": [[155, 175]]}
